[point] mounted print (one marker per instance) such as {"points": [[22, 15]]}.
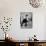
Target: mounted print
{"points": [[26, 19]]}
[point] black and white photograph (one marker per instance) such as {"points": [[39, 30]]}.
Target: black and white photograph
{"points": [[26, 19]]}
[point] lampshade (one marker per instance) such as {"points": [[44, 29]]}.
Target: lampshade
{"points": [[35, 3]]}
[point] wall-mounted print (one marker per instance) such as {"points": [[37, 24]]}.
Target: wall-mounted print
{"points": [[26, 19]]}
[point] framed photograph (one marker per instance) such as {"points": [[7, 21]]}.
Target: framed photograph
{"points": [[26, 19]]}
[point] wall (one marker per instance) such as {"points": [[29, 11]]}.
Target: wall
{"points": [[12, 8]]}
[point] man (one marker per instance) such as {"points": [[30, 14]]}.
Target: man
{"points": [[24, 22]]}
